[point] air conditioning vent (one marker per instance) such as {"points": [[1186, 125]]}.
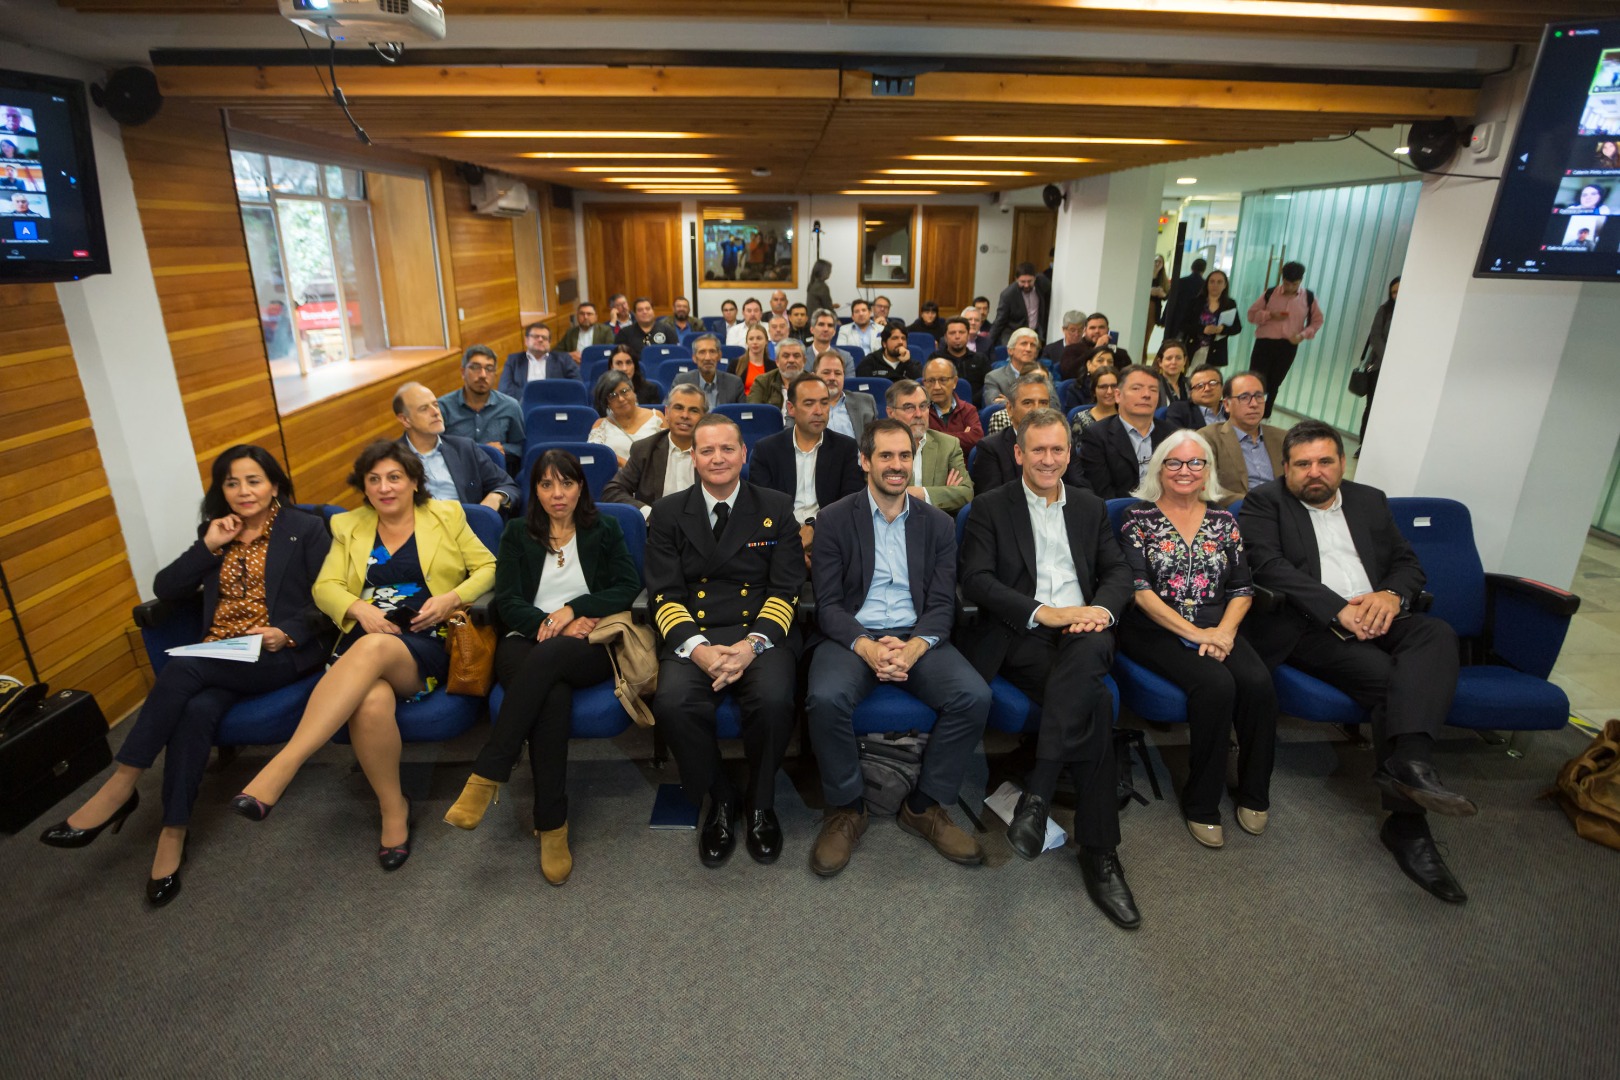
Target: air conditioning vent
{"points": [[394, 7]]}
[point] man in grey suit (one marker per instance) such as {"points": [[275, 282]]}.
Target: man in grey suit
{"points": [[939, 472], [661, 464], [457, 468], [719, 387], [847, 414]]}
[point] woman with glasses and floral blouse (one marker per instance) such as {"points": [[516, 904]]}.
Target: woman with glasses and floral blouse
{"points": [[623, 419]]}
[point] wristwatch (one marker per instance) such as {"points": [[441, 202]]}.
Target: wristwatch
{"points": [[757, 643]]}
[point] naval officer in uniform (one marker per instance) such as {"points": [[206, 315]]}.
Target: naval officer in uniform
{"points": [[724, 567]]}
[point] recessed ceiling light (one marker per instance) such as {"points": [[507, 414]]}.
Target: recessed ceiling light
{"points": [[857, 191], [1270, 9], [1186, 179], [649, 168], [1009, 158], [1401, 150], [665, 180], [568, 135], [955, 172], [611, 155], [932, 180], [1061, 140]]}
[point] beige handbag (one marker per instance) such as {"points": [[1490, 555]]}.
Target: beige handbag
{"points": [[635, 663], [472, 657]]}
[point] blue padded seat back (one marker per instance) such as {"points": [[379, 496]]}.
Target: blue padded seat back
{"points": [[1441, 531]]}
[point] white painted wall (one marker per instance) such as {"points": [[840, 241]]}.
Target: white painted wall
{"points": [[122, 351]]}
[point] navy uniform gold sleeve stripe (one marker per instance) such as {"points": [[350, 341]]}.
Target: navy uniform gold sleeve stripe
{"points": [[778, 611]]}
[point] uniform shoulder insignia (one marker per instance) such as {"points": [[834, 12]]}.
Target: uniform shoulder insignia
{"points": [[659, 599], [767, 523]]}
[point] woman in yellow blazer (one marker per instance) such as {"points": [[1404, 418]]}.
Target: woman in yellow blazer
{"points": [[398, 567]]}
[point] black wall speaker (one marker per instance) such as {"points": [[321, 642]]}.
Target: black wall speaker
{"points": [[131, 96], [1052, 196], [1431, 143], [470, 173]]}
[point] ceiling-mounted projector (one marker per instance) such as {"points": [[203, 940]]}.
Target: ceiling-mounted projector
{"points": [[368, 21]]}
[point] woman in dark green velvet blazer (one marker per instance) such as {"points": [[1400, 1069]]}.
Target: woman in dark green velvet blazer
{"points": [[561, 569]]}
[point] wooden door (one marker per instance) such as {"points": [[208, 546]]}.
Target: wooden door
{"points": [[633, 248], [950, 239], [1034, 234]]}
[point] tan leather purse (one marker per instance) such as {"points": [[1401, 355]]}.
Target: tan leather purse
{"points": [[1589, 788], [472, 657]]}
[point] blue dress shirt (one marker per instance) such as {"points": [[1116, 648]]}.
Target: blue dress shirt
{"points": [[888, 603]]}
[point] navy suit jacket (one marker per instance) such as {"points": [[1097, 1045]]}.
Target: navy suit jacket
{"points": [[838, 466], [515, 375], [1108, 458], [475, 472], [842, 567], [994, 463]]}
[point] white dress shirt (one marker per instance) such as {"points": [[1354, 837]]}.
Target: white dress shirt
{"points": [[537, 367], [1342, 570], [1056, 583], [677, 473], [865, 338], [737, 334], [804, 480]]}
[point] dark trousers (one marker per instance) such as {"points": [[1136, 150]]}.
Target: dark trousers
{"points": [[1366, 409], [182, 714], [1272, 357], [684, 706], [942, 679], [1405, 679], [1063, 674], [1235, 694], [540, 678]]}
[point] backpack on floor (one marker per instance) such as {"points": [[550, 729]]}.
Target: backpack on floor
{"points": [[890, 767], [1588, 788]]}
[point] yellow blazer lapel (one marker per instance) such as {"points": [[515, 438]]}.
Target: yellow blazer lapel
{"points": [[360, 541], [430, 537]]}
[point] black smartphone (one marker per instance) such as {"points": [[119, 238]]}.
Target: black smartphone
{"points": [[401, 617]]}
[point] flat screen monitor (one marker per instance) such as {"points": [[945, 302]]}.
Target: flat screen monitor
{"points": [[50, 207]]}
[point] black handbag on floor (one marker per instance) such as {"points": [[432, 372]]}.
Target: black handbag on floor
{"points": [[47, 749]]}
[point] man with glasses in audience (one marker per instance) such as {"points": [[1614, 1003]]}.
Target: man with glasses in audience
{"points": [[618, 313], [478, 411], [847, 414], [771, 387], [536, 361], [728, 316], [719, 387], [585, 332], [1073, 323], [1114, 452], [946, 412], [939, 472], [1202, 406], [1248, 451], [956, 345], [752, 316], [660, 464]]}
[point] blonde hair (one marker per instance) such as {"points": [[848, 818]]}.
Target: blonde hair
{"points": [[1152, 489]]}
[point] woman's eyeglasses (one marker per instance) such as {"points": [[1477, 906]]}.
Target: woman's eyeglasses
{"points": [[1190, 464]]}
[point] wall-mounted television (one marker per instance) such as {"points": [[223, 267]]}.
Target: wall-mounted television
{"points": [[50, 207], [1557, 212]]}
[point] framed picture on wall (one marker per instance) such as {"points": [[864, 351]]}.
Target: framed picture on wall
{"points": [[751, 243], [888, 244]]}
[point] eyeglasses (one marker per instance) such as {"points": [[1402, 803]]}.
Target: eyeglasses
{"points": [[1254, 398], [939, 380], [1191, 464], [623, 391], [1207, 385], [481, 369]]}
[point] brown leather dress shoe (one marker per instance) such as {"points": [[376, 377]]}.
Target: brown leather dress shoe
{"points": [[936, 826], [841, 830]]}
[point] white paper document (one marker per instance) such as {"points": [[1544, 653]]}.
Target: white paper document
{"points": [[1228, 317], [245, 649], [1004, 800]]}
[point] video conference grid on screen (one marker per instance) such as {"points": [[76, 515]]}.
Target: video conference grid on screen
{"points": [[24, 204], [50, 205]]}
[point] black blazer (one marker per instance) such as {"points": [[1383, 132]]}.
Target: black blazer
{"points": [[1285, 559], [298, 546], [640, 480], [995, 465], [1012, 313], [475, 473], [610, 575], [1187, 414], [845, 553], [1108, 458], [1183, 296], [1191, 330], [838, 467], [998, 569]]}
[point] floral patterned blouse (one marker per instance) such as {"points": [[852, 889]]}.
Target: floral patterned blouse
{"points": [[1195, 579]]}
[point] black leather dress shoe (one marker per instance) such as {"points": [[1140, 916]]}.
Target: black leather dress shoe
{"points": [[1419, 782], [1105, 884], [1027, 833], [64, 835], [1420, 860], [718, 837], [160, 891], [763, 836]]}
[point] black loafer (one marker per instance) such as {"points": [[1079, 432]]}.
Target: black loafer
{"points": [[718, 837], [1027, 833], [160, 891], [1418, 782], [1419, 859], [763, 836], [1105, 884]]}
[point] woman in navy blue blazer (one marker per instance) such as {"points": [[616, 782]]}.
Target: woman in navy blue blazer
{"points": [[255, 561]]}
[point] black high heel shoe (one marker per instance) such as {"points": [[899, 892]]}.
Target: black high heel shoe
{"points": [[251, 808], [392, 858], [64, 835], [160, 891]]}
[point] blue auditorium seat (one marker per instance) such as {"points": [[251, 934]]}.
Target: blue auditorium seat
{"points": [[986, 413], [541, 392], [558, 423], [495, 454], [666, 352], [756, 421], [590, 354], [669, 370], [599, 463], [920, 341], [876, 385]]}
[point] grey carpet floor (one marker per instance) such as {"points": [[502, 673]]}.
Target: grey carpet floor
{"points": [[1301, 953]]}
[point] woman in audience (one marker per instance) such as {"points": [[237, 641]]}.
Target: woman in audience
{"points": [[893, 358], [928, 320], [560, 570], [399, 566], [1205, 327], [1105, 388], [1171, 364], [756, 358], [251, 538], [647, 393], [817, 295], [1192, 590], [1081, 390], [623, 419]]}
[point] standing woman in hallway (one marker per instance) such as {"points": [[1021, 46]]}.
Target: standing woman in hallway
{"points": [[1207, 326], [1158, 289], [560, 570], [1373, 352], [817, 295], [255, 561], [399, 566], [1192, 591]]}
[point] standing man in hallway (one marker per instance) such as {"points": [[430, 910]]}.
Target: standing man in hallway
{"points": [[1023, 303], [1285, 315]]}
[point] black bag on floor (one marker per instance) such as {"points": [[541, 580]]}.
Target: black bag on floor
{"points": [[890, 766], [47, 749]]}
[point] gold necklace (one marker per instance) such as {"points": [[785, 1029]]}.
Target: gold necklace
{"points": [[561, 558]]}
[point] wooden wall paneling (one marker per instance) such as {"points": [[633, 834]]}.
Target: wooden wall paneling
{"points": [[527, 245], [562, 251], [402, 231], [950, 239], [1034, 234], [61, 546], [634, 248], [486, 293]]}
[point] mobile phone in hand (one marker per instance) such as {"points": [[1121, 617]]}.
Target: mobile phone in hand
{"points": [[401, 617]]}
